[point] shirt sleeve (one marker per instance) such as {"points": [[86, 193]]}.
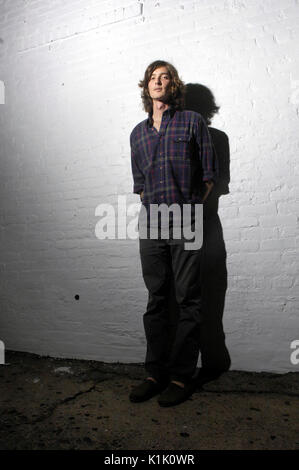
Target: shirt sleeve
{"points": [[207, 152], [138, 176]]}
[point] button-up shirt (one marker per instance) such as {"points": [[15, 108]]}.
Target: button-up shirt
{"points": [[172, 164]]}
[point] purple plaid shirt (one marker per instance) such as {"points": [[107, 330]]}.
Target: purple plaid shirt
{"points": [[171, 165]]}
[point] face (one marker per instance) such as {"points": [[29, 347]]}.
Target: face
{"points": [[159, 83]]}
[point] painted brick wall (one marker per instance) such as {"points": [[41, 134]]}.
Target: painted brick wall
{"points": [[70, 69]]}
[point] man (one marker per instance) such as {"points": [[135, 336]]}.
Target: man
{"points": [[172, 161]]}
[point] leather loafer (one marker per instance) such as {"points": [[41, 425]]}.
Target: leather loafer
{"points": [[174, 394], [146, 390]]}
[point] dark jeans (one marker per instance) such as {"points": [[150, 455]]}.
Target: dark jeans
{"points": [[159, 258]]}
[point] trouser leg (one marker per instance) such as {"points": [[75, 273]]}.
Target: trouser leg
{"points": [[156, 270], [186, 347]]}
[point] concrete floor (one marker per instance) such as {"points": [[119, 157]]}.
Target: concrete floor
{"points": [[48, 403]]}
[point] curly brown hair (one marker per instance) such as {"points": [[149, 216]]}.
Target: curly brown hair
{"points": [[177, 86]]}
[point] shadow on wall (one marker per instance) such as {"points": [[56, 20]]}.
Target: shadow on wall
{"points": [[214, 354]]}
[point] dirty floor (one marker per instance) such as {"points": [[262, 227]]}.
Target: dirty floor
{"points": [[48, 403]]}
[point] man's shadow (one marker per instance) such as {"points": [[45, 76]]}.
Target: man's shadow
{"points": [[214, 354]]}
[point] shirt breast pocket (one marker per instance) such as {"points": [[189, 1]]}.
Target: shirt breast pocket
{"points": [[181, 147]]}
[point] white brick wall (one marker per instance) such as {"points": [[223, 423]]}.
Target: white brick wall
{"points": [[70, 70]]}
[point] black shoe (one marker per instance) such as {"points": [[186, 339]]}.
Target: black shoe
{"points": [[146, 390], [175, 394]]}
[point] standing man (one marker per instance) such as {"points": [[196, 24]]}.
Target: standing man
{"points": [[172, 161]]}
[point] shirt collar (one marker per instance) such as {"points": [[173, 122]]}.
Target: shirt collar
{"points": [[170, 110]]}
